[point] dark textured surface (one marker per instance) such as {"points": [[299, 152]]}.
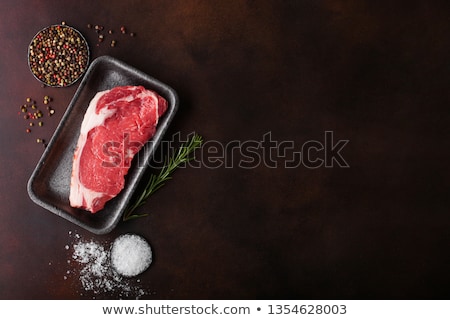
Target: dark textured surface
{"points": [[373, 73]]}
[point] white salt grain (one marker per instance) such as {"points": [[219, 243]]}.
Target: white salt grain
{"points": [[131, 255]]}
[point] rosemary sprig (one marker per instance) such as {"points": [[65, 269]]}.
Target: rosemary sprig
{"points": [[156, 181]]}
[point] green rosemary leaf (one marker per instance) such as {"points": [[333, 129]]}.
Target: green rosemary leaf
{"points": [[156, 181], [135, 216]]}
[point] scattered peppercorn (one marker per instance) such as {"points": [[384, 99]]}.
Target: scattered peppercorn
{"points": [[58, 55], [37, 114], [47, 99], [102, 36]]}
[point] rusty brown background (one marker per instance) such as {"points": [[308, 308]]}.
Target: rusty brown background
{"points": [[375, 73]]}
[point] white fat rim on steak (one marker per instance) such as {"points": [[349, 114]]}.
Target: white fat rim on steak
{"points": [[78, 192]]}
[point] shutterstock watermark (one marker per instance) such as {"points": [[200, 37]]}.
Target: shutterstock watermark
{"points": [[327, 152]]}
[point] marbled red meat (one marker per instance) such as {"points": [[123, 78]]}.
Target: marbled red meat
{"points": [[117, 124]]}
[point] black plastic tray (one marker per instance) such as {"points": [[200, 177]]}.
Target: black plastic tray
{"points": [[49, 185]]}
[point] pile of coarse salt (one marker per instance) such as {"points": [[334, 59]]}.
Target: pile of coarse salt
{"points": [[131, 255], [98, 276]]}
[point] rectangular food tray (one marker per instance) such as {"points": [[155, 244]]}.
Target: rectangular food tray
{"points": [[49, 184]]}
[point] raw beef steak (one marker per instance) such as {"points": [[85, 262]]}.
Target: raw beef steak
{"points": [[117, 124]]}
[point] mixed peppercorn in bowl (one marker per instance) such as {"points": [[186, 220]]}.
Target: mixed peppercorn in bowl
{"points": [[58, 55]]}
